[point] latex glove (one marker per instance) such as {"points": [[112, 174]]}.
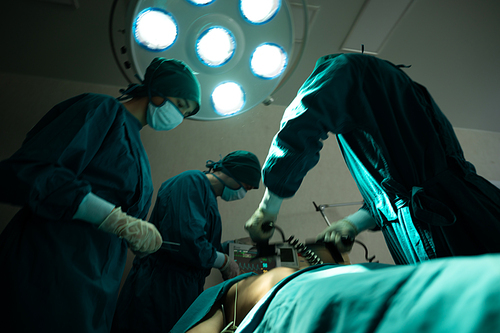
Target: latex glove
{"points": [[230, 269], [334, 232], [142, 237], [267, 212], [254, 225]]}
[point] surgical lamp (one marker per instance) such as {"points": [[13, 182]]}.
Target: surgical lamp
{"points": [[240, 49]]}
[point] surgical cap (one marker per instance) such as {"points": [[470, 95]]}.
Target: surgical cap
{"points": [[241, 165], [167, 78]]}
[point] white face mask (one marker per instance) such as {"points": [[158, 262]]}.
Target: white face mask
{"points": [[165, 117], [230, 194]]}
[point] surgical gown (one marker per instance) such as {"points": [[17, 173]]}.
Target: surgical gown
{"points": [[400, 149], [161, 286], [444, 295], [60, 274]]}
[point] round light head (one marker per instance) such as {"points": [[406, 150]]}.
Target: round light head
{"points": [[238, 49], [215, 46], [228, 98], [268, 61], [155, 29], [259, 11]]}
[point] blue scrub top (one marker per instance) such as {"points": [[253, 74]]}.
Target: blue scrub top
{"points": [[64, 274], [186, 212], [161, 286]]}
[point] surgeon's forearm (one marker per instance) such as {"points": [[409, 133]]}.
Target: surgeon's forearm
{"points": [[220, 260], [271, 203], [362, 220], [93, 209]]}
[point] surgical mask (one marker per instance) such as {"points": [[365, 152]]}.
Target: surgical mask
{"points": [[229, 194], [165, 117]]}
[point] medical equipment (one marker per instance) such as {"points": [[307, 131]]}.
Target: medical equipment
{"points": [[308, 250], [280, 250], [245, 255], [171, 246]]}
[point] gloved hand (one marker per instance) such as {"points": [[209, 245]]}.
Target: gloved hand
{"points": [[335, 232], [230, 269], [267, 212], [142, 237], [254, 225]]}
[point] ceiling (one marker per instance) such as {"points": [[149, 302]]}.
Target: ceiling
{"points": [[452, 46]]}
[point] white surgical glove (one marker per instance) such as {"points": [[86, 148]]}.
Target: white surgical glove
{"points": [[267, 212], [142, 237], [230, 269], [347, 229]]}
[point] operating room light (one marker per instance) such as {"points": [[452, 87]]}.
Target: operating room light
{"points": [[201, 2], [215, 46], [240, 45], [228, 98], [155, 29], [259, 11], [268, 61]]}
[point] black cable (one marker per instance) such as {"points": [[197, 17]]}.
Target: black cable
{"points": [[366, 251], [311, 257]]}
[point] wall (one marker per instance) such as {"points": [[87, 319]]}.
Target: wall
{"points": [[25, 99]]}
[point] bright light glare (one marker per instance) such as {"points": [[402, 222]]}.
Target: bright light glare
{"points": [[228, 98], [268, 61], [259, 11], [215, 47], [201, 2], [155, 29]]}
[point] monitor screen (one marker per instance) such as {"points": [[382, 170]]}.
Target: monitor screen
{"points": [[244, 256]]}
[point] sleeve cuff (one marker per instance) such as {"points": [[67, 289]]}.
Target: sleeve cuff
{"points": [[220, 260], [362, 220], [270, 203], [93, 209]]}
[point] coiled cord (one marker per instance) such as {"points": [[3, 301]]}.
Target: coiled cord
{"points": [[306, 252], [311, 257]]}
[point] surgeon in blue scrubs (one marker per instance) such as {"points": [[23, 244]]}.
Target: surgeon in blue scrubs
{"points": [[402, 152], [83, 180], [161, 286]]}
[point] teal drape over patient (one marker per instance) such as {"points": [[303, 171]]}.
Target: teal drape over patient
{"points": [[435, 296], [444, 295]]}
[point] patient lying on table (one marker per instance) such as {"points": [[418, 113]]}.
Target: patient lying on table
{"points": [[245, 293], [459, 294]]}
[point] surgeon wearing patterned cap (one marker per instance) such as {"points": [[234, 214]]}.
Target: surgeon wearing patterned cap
{"points": [[83, 180], [161, 286]]}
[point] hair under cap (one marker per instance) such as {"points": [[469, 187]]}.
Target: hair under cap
{"points": [[167, 78], [240, 164]]}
